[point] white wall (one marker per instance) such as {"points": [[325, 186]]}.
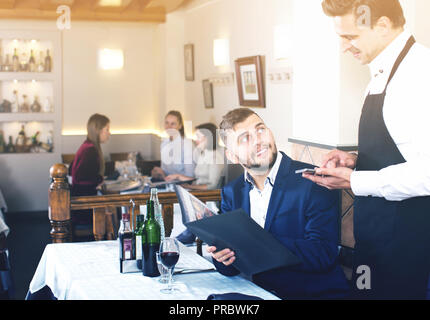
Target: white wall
{"points": [[127, 96]]}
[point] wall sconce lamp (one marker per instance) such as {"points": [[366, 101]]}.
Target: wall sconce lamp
{"points": [[282, 39], [221, 52], [111, 59]]}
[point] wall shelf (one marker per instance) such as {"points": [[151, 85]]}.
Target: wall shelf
{"points": [[24, 180]]}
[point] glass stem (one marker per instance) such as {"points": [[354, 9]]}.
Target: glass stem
{"points": [[169, 286]]}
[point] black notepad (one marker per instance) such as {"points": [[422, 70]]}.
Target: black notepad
{"points": [[256, 249]]}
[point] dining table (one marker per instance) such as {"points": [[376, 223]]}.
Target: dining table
{"points": [[91, 271]]}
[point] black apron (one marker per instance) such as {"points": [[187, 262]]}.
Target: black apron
{"points": [[392, 238]]}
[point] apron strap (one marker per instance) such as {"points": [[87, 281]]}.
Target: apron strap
{"points": [[400, 58]]}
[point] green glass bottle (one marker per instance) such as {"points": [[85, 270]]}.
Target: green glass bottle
{"points": [[152, 245], [10, 146]]}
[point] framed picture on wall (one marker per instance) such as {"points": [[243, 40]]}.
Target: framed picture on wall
{"points": [[208, 94], [250, 82], [189, 62]]}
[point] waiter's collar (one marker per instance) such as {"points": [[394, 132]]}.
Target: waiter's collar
{"points": [[272, 174], [384, 62]]}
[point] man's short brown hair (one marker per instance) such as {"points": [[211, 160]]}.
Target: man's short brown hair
{"points": [[378, 8], [232, 118]]}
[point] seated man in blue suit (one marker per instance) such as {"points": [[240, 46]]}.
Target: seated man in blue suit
{"points": [[301, 215]]}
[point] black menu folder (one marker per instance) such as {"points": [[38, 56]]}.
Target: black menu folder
{"points": [[256, 250]]}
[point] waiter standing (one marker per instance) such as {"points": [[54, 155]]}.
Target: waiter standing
{"points": [[391, 180]]}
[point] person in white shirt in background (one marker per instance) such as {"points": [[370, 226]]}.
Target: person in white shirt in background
{"points": [[176, 150], [209, 159], [390, 176]]}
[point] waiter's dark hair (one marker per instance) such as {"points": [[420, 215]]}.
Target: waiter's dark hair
{"points": [[378, 8]]}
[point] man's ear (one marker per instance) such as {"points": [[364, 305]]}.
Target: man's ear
{"points": [[384, 25], [231, 156]]}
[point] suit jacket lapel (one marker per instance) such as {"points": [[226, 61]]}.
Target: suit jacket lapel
{"points": [[278, 190], [243, 195]]}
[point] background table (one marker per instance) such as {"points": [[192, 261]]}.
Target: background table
{"points": [[80, 271]]}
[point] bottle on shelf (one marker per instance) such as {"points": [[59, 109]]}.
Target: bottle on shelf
{"points": [[15, 102], [152, 245], [7, 66], [41, 64], [47, 105], [5, 106], [21, 140], [15, 61], [25, 106], [1, 60], [23, 62], [36, 107], [35, 138], [49, 141], [48, 62], [125, 239], [3, 147], [157, 211], [32, 62], [10, 148]]}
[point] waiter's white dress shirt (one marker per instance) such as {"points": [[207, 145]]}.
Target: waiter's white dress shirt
{"points": [[407, 117], [259, 199]]}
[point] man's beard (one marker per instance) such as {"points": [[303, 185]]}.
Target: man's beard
{"points": [[258, 168]]}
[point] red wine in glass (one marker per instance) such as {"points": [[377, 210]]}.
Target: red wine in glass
{"points": [[169, 256], [169, 259]]}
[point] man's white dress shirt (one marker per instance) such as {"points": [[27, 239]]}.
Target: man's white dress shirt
{"points": [[407, 117], [259, 199]]}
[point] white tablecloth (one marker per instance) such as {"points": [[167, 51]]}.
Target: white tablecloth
{"points": [[81, 271]]}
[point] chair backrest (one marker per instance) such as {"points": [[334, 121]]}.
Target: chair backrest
{"points": [[120, 156], [67, 158], [146, 166], [232, 172]]}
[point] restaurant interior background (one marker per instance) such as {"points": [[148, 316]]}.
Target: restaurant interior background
{"points": [[305, 74], [313, 92]]}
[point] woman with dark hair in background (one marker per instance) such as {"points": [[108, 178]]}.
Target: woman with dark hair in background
{"points": [[176, 150], [87, 168], [208, 158]]}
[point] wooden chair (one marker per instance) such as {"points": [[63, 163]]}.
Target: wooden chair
{"points": [[120, 156]]}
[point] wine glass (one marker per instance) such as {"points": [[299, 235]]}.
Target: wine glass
{"points": [[169, 256], [164, 272]]}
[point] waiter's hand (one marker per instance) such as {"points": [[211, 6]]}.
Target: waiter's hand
{"points": [[225, 256], [331, 178], [337, 158]]}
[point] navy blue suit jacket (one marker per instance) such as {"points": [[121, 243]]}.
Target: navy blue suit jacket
{"points": [[305, 218]]}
